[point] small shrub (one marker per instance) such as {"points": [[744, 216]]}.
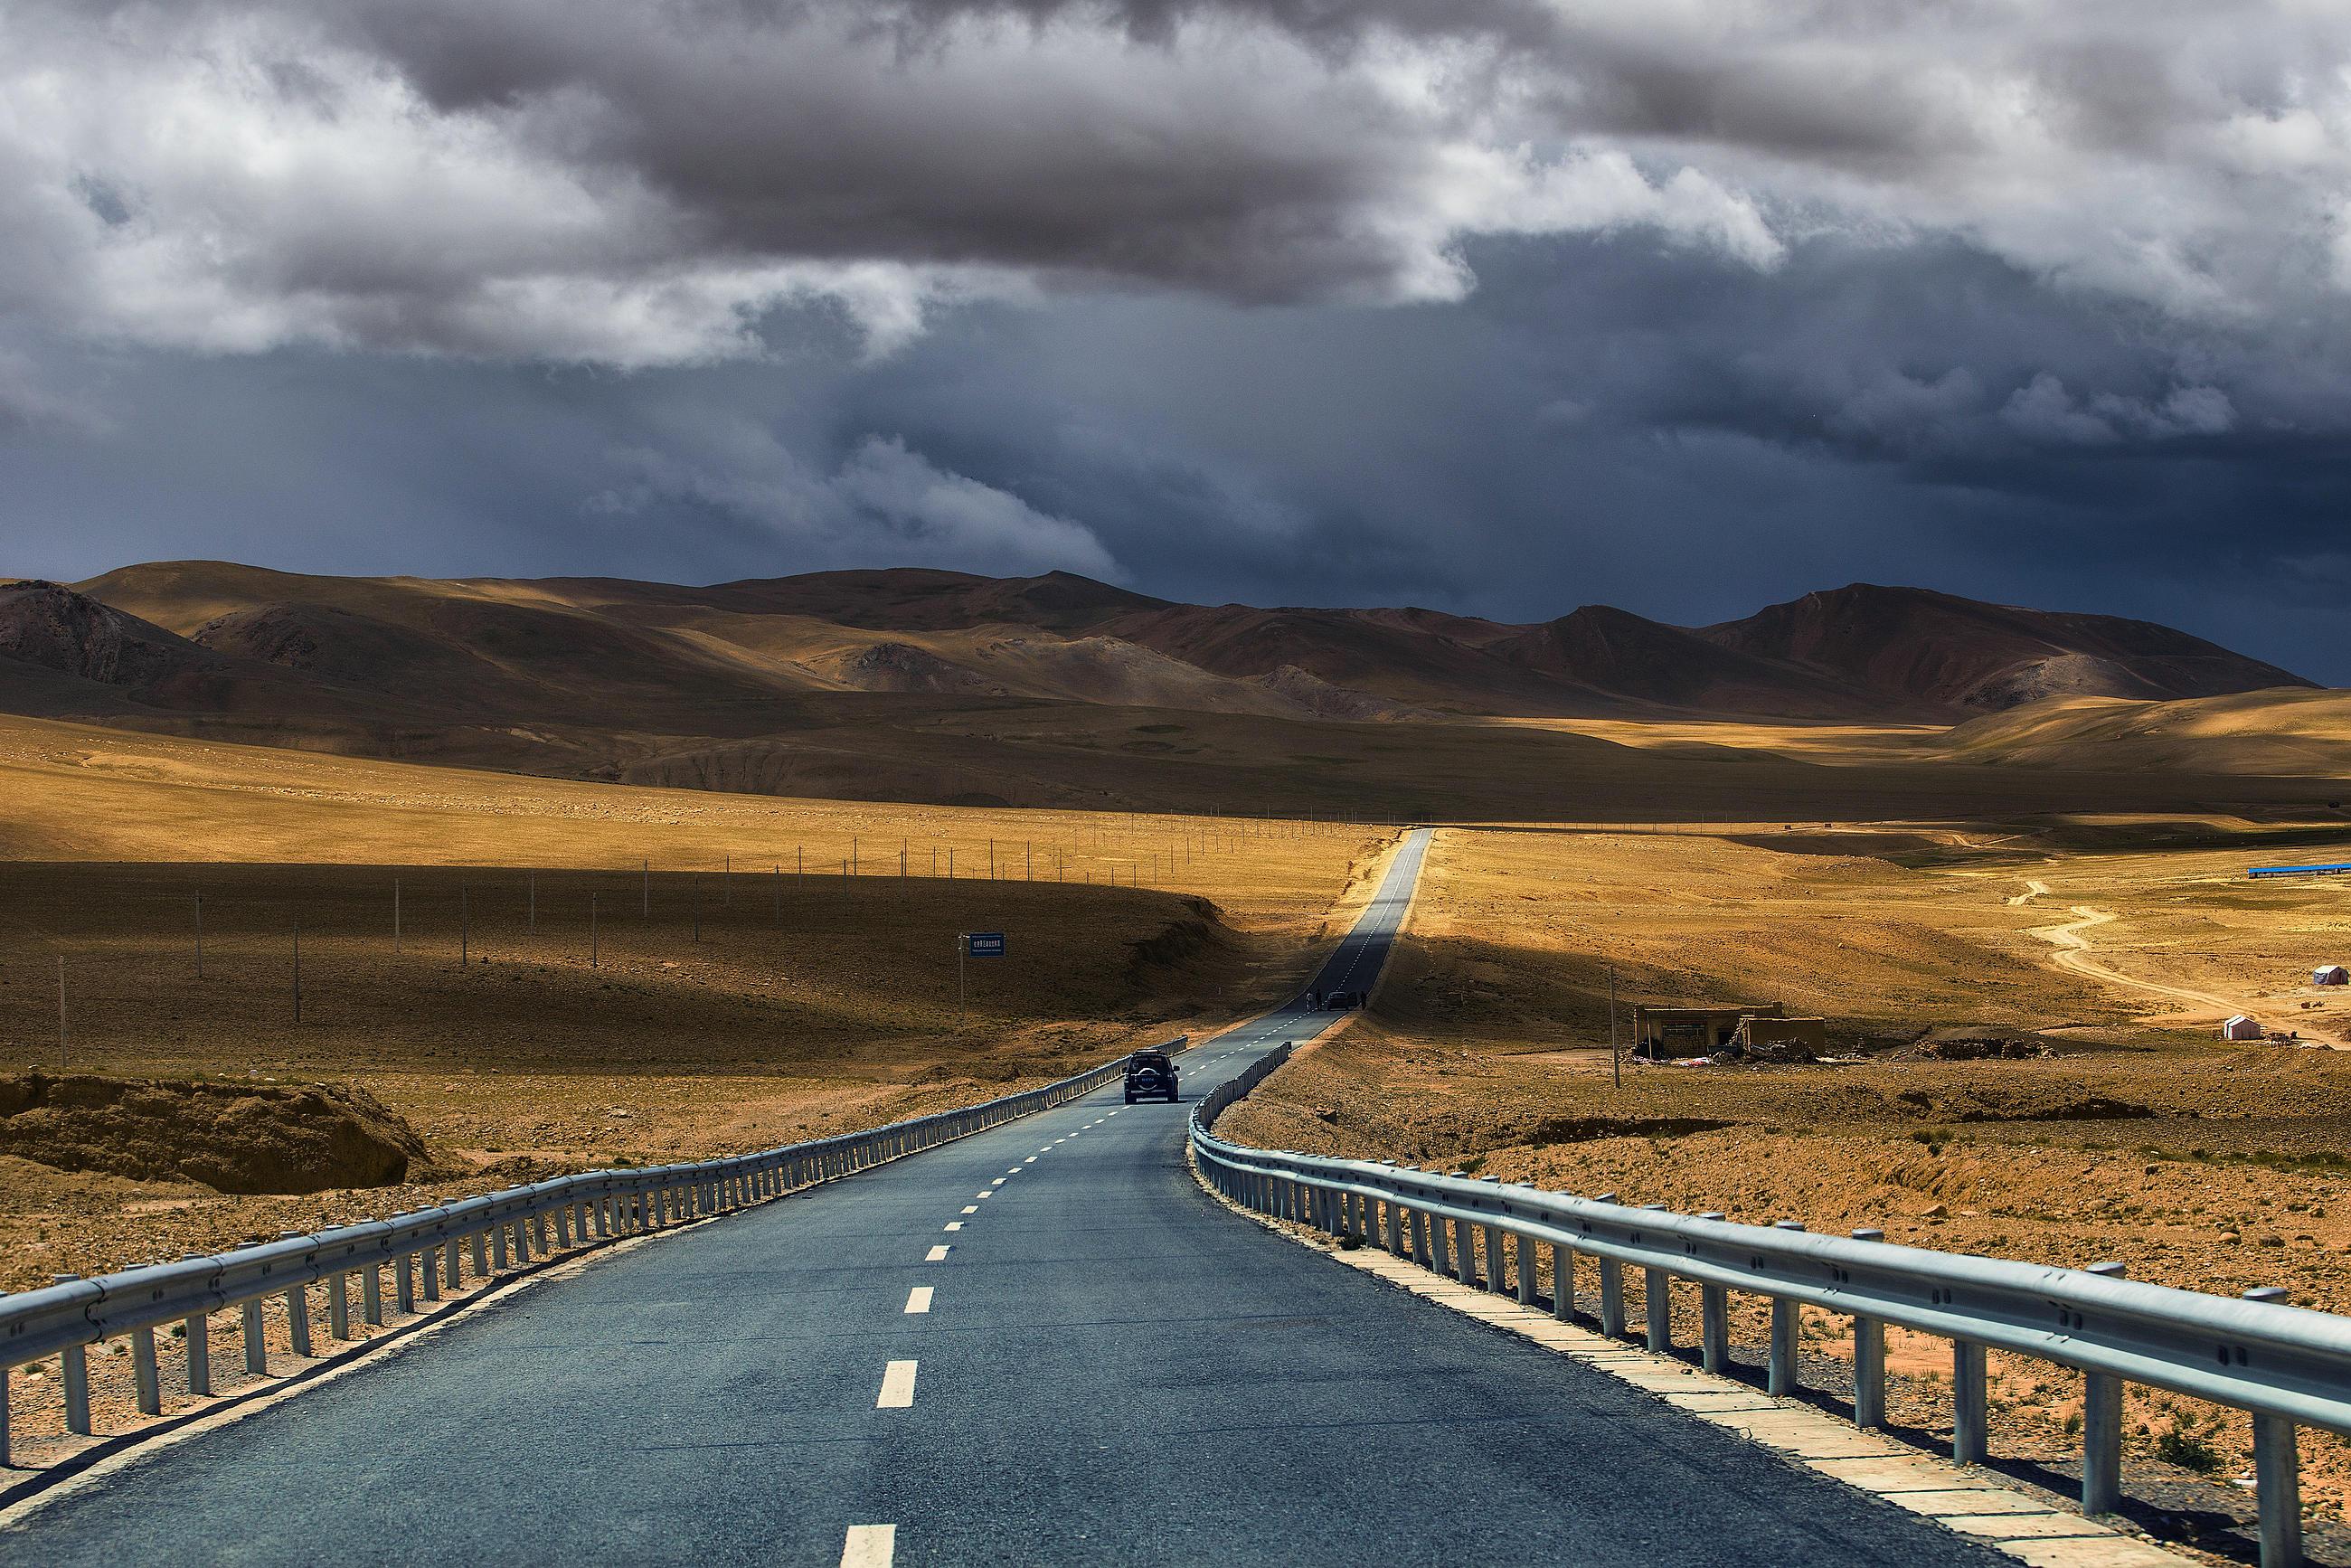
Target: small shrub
{"points": [[2188, 1451]]}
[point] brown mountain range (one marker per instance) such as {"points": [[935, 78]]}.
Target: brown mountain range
{"points": [[859, 682]]}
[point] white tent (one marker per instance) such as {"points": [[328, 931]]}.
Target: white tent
{"points": [[2241, 1028], [2330, 975]]}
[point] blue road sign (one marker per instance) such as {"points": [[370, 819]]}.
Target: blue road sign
{"points": [[984, 944]]}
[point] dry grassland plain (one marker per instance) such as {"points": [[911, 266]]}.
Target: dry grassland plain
{"points": [[2142, 1137], [725, 999]]}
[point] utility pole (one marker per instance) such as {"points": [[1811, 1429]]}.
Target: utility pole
{"points": [[1616, 1056]]}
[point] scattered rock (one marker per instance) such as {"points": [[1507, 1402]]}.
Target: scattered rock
{"points": [[1974, 1042]]}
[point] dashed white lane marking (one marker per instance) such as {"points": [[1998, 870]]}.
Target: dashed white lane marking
{"points": [[971, 1209], [955, 1225], [870, 1546], [918, 1299], [998, 1182], [1032, 1158], [936, 1255], [897, 1386]]}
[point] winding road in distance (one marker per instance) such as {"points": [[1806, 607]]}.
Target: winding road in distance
{"points": [[1042, 1345]]}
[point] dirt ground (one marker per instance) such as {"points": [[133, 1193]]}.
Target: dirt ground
{"points": [[2141, 1137]]}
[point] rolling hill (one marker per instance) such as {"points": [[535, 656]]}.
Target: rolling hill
{"points": [[2303, 734], [923, 684]]}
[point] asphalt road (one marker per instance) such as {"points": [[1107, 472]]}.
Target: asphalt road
{"points": [[1041, 1345]]}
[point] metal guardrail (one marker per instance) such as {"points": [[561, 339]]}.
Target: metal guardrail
{"points": [[2286, 1365], [434, 1248]]}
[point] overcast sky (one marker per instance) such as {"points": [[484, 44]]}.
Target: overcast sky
{"points": [[1503, 306]]}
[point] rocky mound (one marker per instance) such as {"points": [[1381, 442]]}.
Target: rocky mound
{"points": [[52, 626], [1973, 1042], [234, 1137]]}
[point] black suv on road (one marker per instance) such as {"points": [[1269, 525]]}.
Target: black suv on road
{"points": [[1150, 1076]]}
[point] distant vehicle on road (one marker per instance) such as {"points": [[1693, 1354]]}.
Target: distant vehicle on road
{"points": [[1150, 1076], [1339, 1002]]}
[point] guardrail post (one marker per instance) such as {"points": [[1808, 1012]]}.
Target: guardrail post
{"points": [[1420, 1237], [1563, 1281], [1528, 1294], [1497, 1265], [1713, 1317], [1868, 1357], [145, 1390], [453, 1273], [73, 1366], [404, 1281], [371, 1291], [1657, 1301], [521, 1239], [497, 1246], [199, 1328], [1465, 1252], [73, 1362], [2277, 1489], [257, 1348], [538, 1231], [480, 1253], [1780, 1372], [2102, 1428], [339, 1307], [1395, 1227], [2277, 1474], [1611, 1298], [298, 1318], [1441, 1253], [1969, 1445]]}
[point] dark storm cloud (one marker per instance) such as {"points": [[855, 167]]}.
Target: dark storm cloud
{"points": [[1677, 303]]}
